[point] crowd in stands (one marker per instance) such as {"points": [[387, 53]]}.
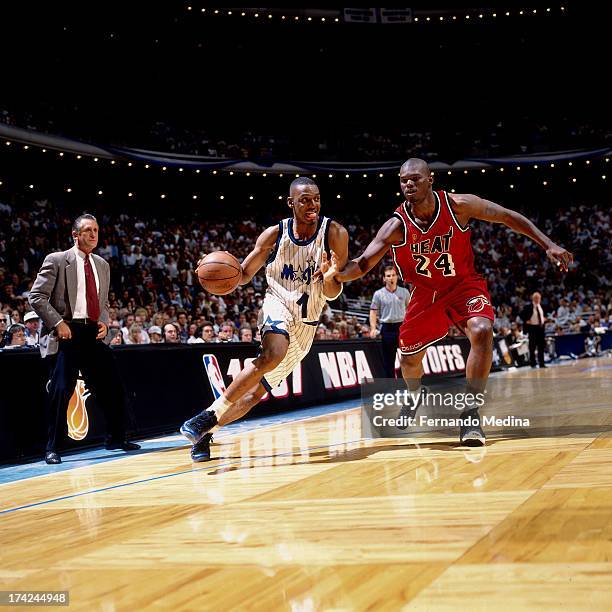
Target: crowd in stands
{"points": [[439, 142], [155, 295]]}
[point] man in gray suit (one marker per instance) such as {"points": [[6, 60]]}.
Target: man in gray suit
{"points": [[70, 295]]}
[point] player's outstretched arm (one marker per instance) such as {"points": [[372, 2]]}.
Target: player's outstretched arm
{"points": [[468, 206], [392, 232], [338, 245], [261, 251]]}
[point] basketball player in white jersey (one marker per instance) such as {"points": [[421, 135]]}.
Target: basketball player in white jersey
{"points": [[292, 252]]}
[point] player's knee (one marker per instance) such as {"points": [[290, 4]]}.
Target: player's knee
{"points": [[412, 362], [269, 359], [481, 332]]}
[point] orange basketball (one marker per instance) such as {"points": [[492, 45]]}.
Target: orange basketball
{"points": [[219, 273]]}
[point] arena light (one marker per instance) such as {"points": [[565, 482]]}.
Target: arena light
{"points": [[180, 170], [8, 143], [96, 159], [251, 197], [465, 172], [113, 162], [365, 175], [518, 168], [130, 194], [552, 165], [163, 196], [231, 173], [280, 197], [587, 162], [346, 176], [100, 192], [164, 168], [369, 195], [397, 193], [573, 180], [69, 189], [44, 150], [188, 8], [607, 159], [249, 174], [380, 175], [535, 166], [603, 176], [452, 191], [31, 186], [26, 147], [544, 183], [501, 169], [338, 196], [570, 163], [511, 186], [449, 172], [146, 165], [222, 197], [194, 197], [483, 170], [280, 175], [79, 156], [198, 171], [330, 176], [265, 174], [61, 154]]}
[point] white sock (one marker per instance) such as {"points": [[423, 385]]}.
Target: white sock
{"points": [[220, 406]]}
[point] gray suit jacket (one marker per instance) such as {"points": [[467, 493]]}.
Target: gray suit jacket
{"points": [[53, 295]]}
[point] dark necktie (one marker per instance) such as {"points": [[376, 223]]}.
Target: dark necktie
{"points": [[91, 293], [538, 313]]}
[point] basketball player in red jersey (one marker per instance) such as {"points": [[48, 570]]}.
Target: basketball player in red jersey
{"points": [[429, 237]]}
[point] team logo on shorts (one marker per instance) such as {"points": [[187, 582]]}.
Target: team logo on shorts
{"points": [[476, 304]]}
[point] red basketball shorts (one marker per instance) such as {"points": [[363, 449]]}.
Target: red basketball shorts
{"points": [[430, 314]]}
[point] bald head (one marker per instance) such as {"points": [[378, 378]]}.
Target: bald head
{"points": [[299, 182], [415, 165]]}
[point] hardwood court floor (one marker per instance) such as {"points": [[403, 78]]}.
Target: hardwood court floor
{"points": [[306, 516]]}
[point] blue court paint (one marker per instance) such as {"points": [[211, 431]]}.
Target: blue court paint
{"points": [[76, 459]]}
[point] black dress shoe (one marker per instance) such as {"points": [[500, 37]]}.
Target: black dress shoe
{"points": [[52, 458], [201, 450], [124, 445]]}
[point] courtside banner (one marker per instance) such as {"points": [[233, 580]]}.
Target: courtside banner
{"points": [[165, 384]]}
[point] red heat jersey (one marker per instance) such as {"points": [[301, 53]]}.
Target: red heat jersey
{"points": [[439, 257]]}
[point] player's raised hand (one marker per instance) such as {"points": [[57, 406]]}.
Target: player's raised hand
{"points": [[561, 256], [329, 266]]}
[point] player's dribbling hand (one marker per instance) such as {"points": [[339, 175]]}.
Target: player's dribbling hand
{"points": [[561, 256]]}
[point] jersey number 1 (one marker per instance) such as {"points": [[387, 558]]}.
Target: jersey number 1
{"points": [[303, 301]]}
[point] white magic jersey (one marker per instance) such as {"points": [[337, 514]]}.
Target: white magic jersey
{"points": [[293, 302], [291, 267]]}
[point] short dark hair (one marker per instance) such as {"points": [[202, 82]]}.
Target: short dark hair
{"points": [[76, 226], [387, 268], [301, 180]]}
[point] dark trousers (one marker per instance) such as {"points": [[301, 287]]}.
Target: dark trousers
{"points": [[97, 366], [536, 341], [389, 334]]}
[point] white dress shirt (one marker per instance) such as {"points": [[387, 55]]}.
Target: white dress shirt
{"points": [[80, 307], [534, 316]]}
